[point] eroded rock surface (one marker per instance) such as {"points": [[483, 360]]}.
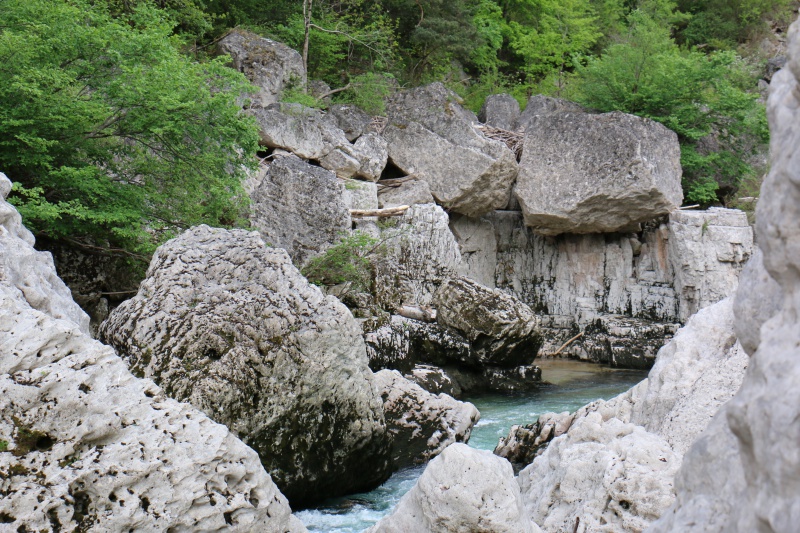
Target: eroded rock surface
{"points": [[584, 173], [462, 489], [299, 207], [500, 111], [268, 64], [754, 438], [421, 424], [758, 298], [91, 447], [229, 325], [545, 105], [411, 192], [501, 329], [432, 136]]}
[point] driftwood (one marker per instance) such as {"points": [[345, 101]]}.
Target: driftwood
{"points": [[689, 207], [396, 182], [512, 139], [382, 213], [573, 339], [423, 314]]}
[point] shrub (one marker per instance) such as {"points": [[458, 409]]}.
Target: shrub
{"points": [[345, 262]]}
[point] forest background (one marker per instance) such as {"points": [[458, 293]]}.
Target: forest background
{"points": [[120, 128]]}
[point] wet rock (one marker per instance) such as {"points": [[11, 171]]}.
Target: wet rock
{"points": [[461, 490], [415, 191], [269, 65], [300, 208], [229, 325], [583, 173], [432, 136], [501, 329], [87, 446], [421, 424], [500, 111]]}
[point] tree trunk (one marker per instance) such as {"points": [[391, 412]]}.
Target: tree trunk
{"points": [[307, 5]]}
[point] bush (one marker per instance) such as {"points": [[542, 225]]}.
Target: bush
{"points": [[346, 262]]}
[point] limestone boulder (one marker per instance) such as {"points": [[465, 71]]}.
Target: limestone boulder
{"points": [[300, 130], [360, 195], [539, 104], [418, 254], [299, 207], [432, 136], [584, 173], [605, 475], [353, 121], [758, 298], [500, 111], [269, 65], [501, 329], [88, 446], [421, 424], [411, 192], [762, 417], [708, 250], [462, 489], [231, 326], [434, 379], [30, 271], [372, 152]]}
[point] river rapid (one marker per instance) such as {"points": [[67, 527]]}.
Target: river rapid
{"points": [[570, 385]]}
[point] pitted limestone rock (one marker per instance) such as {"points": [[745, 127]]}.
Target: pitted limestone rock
{"points": [[421, 424], [500, 111], [229, 325]]}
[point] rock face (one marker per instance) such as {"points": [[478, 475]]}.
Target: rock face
{"points": [[432, 136], [461, 490], [269, 65], [627, 450], [502, 330], [92, 447], [410, 192], [545, 105], [583, 173], [419, 254], [230, 326], [350, 119], [422, 424], [618, 289], [754, 437], [500, 111], [300, 208], [758, 299]]}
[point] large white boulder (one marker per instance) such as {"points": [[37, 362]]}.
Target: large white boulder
{"points": [[231, 326]]}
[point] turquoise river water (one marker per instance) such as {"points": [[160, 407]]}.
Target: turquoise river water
{"points": [[571, 385]]}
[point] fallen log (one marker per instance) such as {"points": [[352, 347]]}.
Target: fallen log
{"points": [[381, 213], [423, 314]]}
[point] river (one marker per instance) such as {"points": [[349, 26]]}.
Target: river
{"points": [[571, 385]]}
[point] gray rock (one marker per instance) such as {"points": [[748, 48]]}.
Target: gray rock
{"points": [[300, 130], [410, 192], [421, 424], [432, 136], [758, 298], [463, 489], [91, 447], [30, 271], [372, 151], [360, 195], [539, 104], [418, 255], [350, 119], [229, 325], [434, 380], [300, 207], [269, 65], [500, 111], [476, 240], [342, 161], [762, 417], [502, 330], [583, 173], [708, 250], [317, 88]]}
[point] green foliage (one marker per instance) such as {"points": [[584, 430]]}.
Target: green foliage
{"points": [[112, 136], [3, 445], [295, 95], [345, 262], [724, 23], [696, 95], [369, 91]]}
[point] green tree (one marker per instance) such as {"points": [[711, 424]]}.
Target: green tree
{"points": [[698, 96], [112, 137]]}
